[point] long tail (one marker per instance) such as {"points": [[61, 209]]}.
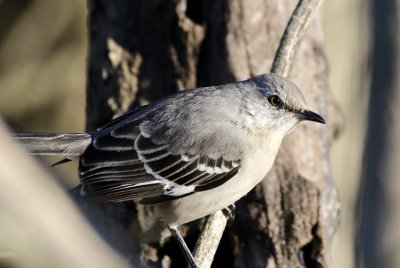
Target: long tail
{"points": [[63, 144]]}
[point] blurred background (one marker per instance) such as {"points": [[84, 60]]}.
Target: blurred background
{"points": [[43, 67], [43, 70]]}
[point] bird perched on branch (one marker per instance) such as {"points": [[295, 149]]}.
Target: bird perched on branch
{"points": [[187, 155]]}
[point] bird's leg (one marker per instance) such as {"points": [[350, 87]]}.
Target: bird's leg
{"points": [[229, 213], [183, 246]]}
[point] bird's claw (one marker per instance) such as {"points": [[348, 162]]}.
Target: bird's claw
{"points": [[229, 213]]}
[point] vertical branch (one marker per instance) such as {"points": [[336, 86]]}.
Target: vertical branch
{"points": [[295, 30], [209, 239]]}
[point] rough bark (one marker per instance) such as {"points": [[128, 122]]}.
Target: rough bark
{"points": [[139, 51], [142, 50]]}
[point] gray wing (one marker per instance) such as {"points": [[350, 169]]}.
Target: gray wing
{"points": [[122, 163]]}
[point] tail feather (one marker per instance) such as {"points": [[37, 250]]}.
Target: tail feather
{"points": [[62, 144], [62, 161]]}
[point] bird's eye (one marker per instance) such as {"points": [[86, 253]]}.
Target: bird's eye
{"points": [[275, 101]]}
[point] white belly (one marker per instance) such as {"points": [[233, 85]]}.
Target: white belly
{"points": [[201, 204]]}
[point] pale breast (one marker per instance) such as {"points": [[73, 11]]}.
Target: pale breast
{"points": [[201, 204]]}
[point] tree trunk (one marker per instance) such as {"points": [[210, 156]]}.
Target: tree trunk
{"points": [[378, 237], [143, 50]]}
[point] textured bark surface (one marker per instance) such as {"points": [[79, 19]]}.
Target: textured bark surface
{"points": [[139, 51], [143, 50]]}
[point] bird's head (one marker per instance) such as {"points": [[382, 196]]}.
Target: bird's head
{"points": [[283, 103]]}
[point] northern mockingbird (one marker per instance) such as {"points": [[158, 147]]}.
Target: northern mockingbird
{"points": [[187, 155]]}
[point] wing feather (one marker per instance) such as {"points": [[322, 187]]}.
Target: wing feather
{"points": [[122, 164]]}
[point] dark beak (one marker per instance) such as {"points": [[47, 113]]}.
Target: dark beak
{"points": [[311, 116]]}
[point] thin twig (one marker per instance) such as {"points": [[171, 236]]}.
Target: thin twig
{"points": [[209, 238], [296, 28]]}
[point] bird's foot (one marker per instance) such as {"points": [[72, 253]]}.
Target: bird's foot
{"points": [[229, 213]]}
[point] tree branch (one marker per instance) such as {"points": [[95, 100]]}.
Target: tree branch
{"points": [[209, 238], [296, 28]]}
